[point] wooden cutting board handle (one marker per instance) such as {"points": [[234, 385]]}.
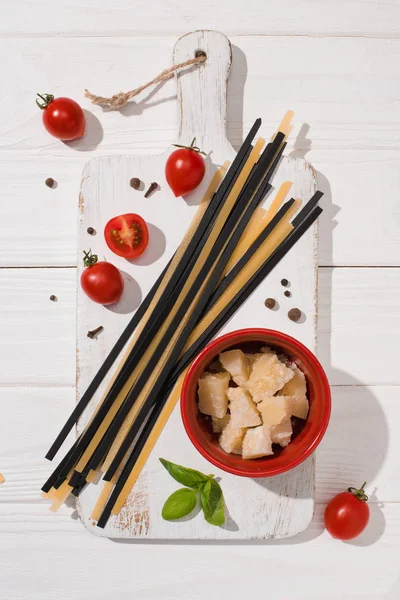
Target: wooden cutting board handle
{"points": [[202, 92]]}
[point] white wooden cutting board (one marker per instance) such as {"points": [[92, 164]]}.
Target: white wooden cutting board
{"points": [[274, 507]]}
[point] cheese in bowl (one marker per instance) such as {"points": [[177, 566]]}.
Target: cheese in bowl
{"points": [[253, 401]]}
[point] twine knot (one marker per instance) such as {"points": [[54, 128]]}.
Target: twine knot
{"points": [[119, 100]]}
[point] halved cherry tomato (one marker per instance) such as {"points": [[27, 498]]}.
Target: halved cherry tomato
{"points": [[127, 235], [62, 117], [185, 169], [101, 281], [347, 514]]}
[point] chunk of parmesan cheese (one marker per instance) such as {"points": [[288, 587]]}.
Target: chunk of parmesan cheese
{"points": [[236, 363], [282, 433], [274, 410], [257, 442], [297, 406], [231, 439], [267, 377], [297, 386], [213, 399], [243, 410]]}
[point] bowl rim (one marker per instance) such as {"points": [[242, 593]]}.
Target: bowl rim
{"points": [[207, 351]]}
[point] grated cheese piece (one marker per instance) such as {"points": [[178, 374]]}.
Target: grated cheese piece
{"points": [[257, 442], [231, 439], [236, 363], [298, 406], [282, 433], [243, 410], [267, 377], [296, 386], [212, 391], [273, 410]]}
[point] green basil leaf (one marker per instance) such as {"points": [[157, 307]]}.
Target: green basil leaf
{"points": [[188, 477], [212, 503], [179, 504]]}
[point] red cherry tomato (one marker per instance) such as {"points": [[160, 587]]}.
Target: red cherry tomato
{"points": [[347, 514], [185, 169], [101, 281], [127, 235], [62, 117]]}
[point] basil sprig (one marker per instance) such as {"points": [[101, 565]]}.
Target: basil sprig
{"points": [[184, 501]]}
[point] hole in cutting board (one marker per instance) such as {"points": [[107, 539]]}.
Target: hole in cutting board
{"points": [[199, 53]]}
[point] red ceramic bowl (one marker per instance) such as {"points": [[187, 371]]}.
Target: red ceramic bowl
{"points": [[306, 434]]}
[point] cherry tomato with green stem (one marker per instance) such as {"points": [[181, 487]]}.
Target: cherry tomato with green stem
{"points": [[185, 169], [347, 514], [62, 117], [101, 281]]}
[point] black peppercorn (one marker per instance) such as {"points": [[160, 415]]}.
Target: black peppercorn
{"points": [[90, 230], [50, 182], [135, 183], [284, 282], [53, 298], [270, 303], [294, 314], [287, 293]]}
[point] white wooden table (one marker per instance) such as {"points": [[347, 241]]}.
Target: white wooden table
{"points": [[336, 64]]}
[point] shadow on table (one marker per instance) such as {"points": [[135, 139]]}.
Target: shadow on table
{"points": [[235, 97], [131, 296], [92, 137], [135, 108]]}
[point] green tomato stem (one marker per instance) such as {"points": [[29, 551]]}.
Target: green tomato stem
{"points": [[47, 98], [191, 147], [89, 259], [360, 494]]}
